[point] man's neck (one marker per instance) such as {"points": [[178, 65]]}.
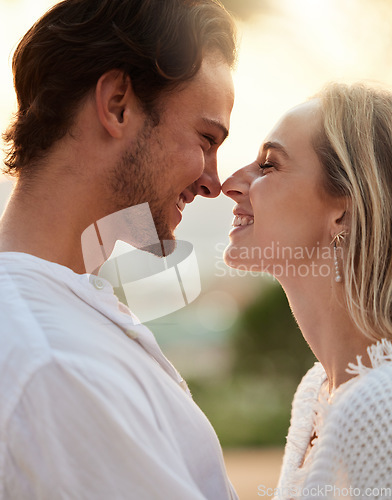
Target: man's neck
{"points": [[44, 222]]}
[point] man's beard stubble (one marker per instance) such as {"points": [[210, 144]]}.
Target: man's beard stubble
{"points": [[134, 180]]}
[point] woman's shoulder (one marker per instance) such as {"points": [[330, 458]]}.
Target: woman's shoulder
{"points": [[355, 431], [312, 380], [306, 395], [369, 392]]}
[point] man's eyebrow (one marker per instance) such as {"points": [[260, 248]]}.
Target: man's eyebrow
{"points": [[215, 123], [275, 145]]}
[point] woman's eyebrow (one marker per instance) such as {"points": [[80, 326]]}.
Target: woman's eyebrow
{"points": [[275, 145]]}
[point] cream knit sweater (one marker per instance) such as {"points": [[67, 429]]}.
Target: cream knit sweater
{"points": [[352, 456]]}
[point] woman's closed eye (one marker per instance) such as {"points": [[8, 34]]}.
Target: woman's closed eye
{"points": [[266, 166]]}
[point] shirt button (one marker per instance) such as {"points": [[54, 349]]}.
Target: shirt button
{"points": [[131, 334], [98, 283]]}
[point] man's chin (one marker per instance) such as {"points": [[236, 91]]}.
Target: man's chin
{"points": [[169, 246], [161, 249], [165, 233]]}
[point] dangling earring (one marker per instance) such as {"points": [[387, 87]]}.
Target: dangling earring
{"points": [[338, 238]]}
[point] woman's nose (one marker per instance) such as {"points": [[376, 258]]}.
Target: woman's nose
{"points": [[237, 185]]}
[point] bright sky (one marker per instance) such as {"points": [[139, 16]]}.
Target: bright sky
{"points": [[289, 53]]}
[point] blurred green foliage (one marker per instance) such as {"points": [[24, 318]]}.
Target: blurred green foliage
{"points": [[246, 410], [251, 407], [266, 339]]}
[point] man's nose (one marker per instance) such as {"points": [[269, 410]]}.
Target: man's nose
{"points": [[208, 184]]}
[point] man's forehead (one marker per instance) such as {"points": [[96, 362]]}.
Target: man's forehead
{"points": [[208, 97]]}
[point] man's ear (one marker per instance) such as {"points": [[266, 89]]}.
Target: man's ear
{"points": [[114, 99]]}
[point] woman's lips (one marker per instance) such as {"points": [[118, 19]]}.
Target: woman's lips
{"points": [[242, 220]]}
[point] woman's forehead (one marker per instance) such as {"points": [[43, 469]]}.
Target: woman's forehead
{"points": [[297, 126]]}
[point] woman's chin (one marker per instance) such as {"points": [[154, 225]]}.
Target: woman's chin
{"points": [[237, 262]]}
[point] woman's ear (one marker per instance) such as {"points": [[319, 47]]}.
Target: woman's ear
{"points": [[115, 100], [340, 218]]}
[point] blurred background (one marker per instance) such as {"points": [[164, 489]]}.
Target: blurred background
{"points": [[237, 344]]}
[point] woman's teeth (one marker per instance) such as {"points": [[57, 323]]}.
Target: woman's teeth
{"points": [[243, 220], [181, 203]]}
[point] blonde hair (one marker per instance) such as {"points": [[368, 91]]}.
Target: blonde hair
{"points": [[355, 147]]}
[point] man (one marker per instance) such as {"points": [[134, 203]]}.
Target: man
{"points": [[120, 103]]}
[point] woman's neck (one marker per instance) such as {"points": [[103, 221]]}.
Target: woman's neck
{"points": [[319, 308]]}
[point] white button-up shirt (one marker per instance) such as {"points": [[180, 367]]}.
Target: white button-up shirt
{"points": [[90, 408]]}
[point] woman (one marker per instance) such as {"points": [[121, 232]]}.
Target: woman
{"points": [[319, 199]]}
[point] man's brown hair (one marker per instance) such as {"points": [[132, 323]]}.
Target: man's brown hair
{"points": [[158, 43]]}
